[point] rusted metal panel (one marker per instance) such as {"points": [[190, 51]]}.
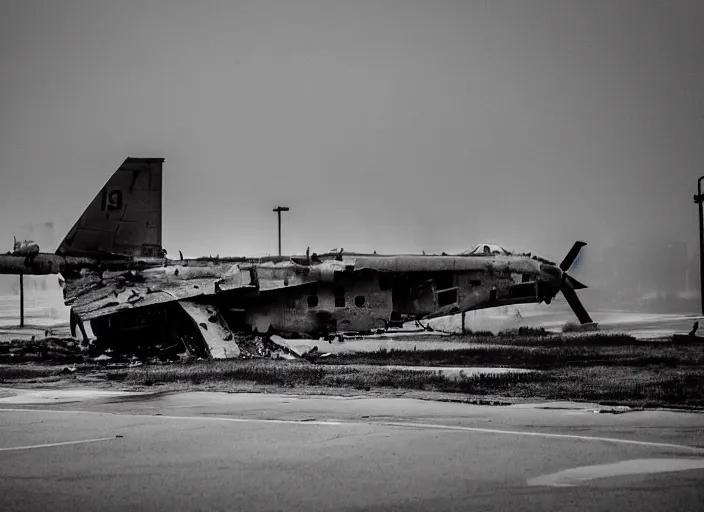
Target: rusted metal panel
{"points": [[410, 263], [96, 293], [324, 307], [40, 265], [276, 275], [215, 333]]}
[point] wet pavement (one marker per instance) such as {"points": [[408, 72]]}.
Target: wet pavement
{"points": [[219, 451]]}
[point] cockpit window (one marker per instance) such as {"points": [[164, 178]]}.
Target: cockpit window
{"points": [[485, 250]]}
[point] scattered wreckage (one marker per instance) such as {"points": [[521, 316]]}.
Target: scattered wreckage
{"points": [[117, 277], [53, 350]]}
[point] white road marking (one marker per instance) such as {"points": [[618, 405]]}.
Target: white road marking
{"points": [[546, 434], [49, 445], [575, 476], [384, 423]]}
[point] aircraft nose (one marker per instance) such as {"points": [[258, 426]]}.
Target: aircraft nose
{"points": [[550, 281], [550, 272]]}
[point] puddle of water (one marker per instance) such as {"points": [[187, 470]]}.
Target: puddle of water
{"points": [[576, 476], [58, 395]]}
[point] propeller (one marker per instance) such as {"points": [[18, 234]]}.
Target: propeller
{"points": [[570, 284], [571, 256]]}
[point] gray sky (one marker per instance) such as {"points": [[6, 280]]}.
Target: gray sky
{"points": [[398, 126]]}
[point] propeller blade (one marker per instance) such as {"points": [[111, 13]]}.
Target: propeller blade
{"points": [[574, 284], [572, 255], [576, 305]]}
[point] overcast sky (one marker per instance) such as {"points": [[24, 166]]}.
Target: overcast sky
{"points": [[396, 126]]}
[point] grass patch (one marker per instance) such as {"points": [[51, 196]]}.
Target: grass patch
{"points": [[596, 367], [534, 337], [13, 373], [644, 386], [530, 337], [541, 356], [295, 374], [266, 372]]}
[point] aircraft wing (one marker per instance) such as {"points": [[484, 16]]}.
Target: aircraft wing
{"points": [[95, 294]]}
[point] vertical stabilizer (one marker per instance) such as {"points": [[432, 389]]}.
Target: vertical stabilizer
{"points": [[125, 217]]}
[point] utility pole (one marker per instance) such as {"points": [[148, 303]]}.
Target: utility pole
{"points": [[698, 199], [21, 300], [280, 209]]}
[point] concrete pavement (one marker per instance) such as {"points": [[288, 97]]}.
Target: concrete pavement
{"points": [[218, 451]]}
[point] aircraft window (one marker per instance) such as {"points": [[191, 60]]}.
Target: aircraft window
{"points": [[359, 301], [312, 301], [447, 297], [485, 250]]}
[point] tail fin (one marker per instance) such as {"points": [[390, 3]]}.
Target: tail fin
{"points": [[124, 218]]}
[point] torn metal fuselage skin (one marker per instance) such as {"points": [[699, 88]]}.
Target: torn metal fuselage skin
{"points": [[145, 298], [344, 293]]}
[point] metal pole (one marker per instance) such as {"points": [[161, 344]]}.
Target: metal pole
{"points": [[698, 199], [278, 210], [21, 300], [279, 213]]}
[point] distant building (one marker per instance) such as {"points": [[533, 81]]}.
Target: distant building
{"points": [[670, 268], [693, 273], [631, 269]]}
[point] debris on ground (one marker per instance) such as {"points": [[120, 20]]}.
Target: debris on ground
{"points": [[586, 327], [134, 353], [282, 345], [533, 331], [50, 349], [251, 346]]}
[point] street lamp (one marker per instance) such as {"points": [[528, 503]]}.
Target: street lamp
{"points": [[698, 199], [280, 209]]}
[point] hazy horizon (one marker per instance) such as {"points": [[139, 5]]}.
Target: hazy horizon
{"points": [[394, 126]]}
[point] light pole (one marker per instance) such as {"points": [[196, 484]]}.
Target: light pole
{"points": [[280, 209], [698, 199], [21, 300]]}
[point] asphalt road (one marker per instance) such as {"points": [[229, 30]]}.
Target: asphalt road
{"points": [[213, 451]]}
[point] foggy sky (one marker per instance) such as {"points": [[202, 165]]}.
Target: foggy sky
{"points": [[395, 126]]}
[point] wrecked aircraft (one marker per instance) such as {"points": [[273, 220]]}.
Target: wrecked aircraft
{"points": [[118, 278]]}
